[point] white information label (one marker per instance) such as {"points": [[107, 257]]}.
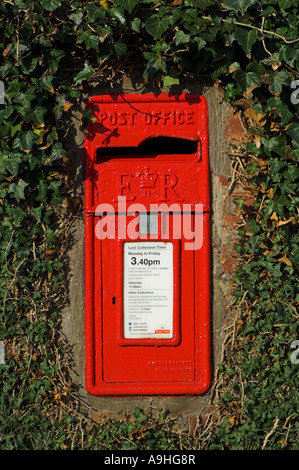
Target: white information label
{"points": [[148, 290]]}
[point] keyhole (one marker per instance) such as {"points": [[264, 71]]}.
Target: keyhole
{"points": [[113, 300]]}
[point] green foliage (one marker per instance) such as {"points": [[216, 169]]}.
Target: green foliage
{"points": [[49, 49]]}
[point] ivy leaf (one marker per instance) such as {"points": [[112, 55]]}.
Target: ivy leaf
{"points": [[46, 82], [120, 48], [25, 99], [200, 43], [57, 151], [293, 132], [94, 12], [246, 39], [119, 13], [77, 17], [39, 113], [282, 110], [84, 74], [129, 5], [156, 27], [2, 191], [29, 63], [18, 215], [12, 165], [155, 63], [55, 57], [284, 4], [257, 68], [277, 80], [135, 24], [246, 80], [181, 37], [34, 115], [176, 15], [24, 140], [15, 129], [169, 81], [18, 189], [38, 213], [91, 40], [85, 118], [253, 227], [51, 5], [273, 60], [240, 5], [276, 270]]}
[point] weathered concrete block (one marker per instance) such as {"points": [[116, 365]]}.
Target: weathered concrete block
{"points": [[224, 129]]}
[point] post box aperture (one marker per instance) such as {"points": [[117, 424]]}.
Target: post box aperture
{"points": [[147, 267]]}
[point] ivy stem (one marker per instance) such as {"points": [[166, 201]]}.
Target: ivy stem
{"points": [[261, 30]]}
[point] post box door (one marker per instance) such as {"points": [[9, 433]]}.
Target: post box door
{"points": [[155, 350]]}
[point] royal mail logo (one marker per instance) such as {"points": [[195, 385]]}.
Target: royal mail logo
{"points": [[148, 180], [161, 186]]}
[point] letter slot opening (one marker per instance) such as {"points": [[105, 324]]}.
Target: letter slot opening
{"points": [[151, 148]]}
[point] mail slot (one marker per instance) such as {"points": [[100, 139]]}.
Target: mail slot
{"points": [[147, 266]]}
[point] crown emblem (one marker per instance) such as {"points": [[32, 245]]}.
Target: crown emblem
{"points": [[148, 180]]}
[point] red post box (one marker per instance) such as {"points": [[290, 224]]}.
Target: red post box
{"points": [[147, 268]]}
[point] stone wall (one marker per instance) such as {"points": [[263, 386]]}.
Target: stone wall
{"points": [[225, 130]]}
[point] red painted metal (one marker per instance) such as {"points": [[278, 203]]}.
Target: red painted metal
{"points": [[115, 364]]}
